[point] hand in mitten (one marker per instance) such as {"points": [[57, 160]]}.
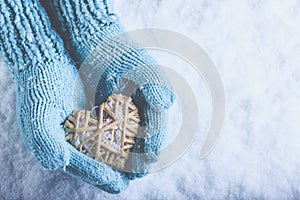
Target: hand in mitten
{"points": [[45, 78], [96, 40]]}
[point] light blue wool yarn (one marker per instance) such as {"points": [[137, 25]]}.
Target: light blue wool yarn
{"points": [[93, 32], [44, 75]]}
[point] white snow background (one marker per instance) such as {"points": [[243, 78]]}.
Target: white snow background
{"points": [[255, 45]]}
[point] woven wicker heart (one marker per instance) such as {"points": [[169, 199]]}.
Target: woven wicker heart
{"points": [[110, 136]]}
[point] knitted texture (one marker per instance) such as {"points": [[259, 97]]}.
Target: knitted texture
{"points": [[97, 41], [45, 77]]}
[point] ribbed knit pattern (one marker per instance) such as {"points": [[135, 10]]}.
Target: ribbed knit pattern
{"points": [[45, 77], [41, 75], [93, 32]]}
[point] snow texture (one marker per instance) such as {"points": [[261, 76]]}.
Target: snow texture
{"points": [[256, 46]]}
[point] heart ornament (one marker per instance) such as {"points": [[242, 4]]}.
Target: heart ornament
{"points": [[108, 137]]}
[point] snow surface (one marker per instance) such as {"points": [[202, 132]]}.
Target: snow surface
{"points": [[256, 46]]}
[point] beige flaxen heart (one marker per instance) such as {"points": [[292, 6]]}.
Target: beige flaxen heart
{"points": [[109, 136]]}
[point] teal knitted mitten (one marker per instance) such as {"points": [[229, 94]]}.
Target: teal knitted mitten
{"points": [[96, 40], [45, 78]]}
